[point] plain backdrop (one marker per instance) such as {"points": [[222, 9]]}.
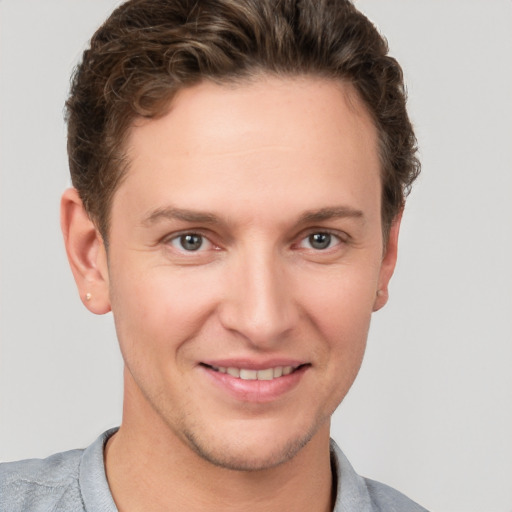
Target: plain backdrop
{"points": [[431, 411]]}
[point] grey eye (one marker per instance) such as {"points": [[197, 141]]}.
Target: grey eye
{"points": [[191, 241], [320, 240]]}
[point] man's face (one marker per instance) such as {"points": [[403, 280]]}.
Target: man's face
{"points": [[244, 261]]}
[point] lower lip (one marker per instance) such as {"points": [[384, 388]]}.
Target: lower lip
{"points": [[257, 391]]}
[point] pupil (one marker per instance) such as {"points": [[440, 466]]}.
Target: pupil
{"points": [[320, 240], [191, 242]]}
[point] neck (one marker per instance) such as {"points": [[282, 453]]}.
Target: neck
{"points": [[150, 468]]}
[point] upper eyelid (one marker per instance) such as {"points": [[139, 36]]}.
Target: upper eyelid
{"points": [[326, 232], [176, 234], [342, 235], [170, 238], [210, 236]]}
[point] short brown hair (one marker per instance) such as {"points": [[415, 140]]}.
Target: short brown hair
{"points": [[149, 49]]}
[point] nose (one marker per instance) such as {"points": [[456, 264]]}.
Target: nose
{"points": [[259, 303]]}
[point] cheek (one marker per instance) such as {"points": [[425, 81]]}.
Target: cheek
{"points": [[340, 302], [340, 307], [158, 308]]}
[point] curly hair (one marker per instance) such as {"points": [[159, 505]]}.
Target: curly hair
{"points": [[147, 50]]}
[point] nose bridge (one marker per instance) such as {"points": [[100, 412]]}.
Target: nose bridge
{"points": [[259, 304]]}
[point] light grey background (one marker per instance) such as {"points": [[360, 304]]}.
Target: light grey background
{"points": [[431, 411]]}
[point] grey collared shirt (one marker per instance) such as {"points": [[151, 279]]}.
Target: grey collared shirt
{"points": [[75, 481]]}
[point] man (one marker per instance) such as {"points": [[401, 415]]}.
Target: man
{"points": [[239, 170]]}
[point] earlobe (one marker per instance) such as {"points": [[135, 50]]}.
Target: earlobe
{"points": [[388, 264], [86, 253]]}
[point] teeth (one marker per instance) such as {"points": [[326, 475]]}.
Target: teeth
{"points": [[287, 370], [247, 374], [267, 374], [234, 372]]}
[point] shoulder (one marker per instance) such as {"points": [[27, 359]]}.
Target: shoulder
{"points": [[38, 485], [387, 499], [357, 493], [72, 481]]}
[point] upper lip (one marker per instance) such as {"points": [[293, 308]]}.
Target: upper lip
{"points": [[251, 364]]}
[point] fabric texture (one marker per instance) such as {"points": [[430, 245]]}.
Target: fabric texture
{"points": [[75, 481]]}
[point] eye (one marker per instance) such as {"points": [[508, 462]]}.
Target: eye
{"points": [[190, 242], [320, 241]]}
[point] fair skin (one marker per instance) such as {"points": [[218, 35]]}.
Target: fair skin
{"points": [[245, 243]]}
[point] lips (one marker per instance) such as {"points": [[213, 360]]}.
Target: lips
{"points": [[253, 374], [251, 382]]}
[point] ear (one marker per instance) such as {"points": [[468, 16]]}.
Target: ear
{"points": [[86, 252], [388, 264]]}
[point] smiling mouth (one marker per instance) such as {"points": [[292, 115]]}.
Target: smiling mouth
{"points": [[250, 374]]}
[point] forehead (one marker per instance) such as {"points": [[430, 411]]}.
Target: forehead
{"points": [[267, 135], [210, 111]]}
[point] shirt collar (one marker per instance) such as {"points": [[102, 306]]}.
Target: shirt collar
{"points": [[351, 491]]}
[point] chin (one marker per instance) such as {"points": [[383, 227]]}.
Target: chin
{"points": [[250, 453]]}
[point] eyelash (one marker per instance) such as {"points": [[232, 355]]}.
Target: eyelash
{"points": [[177, 241]]}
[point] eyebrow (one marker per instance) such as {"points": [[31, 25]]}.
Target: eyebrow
{"points": [[193, 216], [330, 213], [171, 213]]}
